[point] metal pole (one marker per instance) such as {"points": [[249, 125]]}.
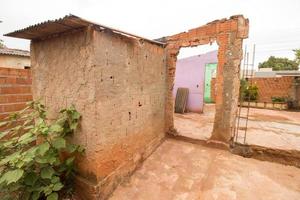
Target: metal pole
{"points": [[240, 98], [251, 83]]}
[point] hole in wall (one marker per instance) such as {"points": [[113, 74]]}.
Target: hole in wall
{"points": [[196, 69]]}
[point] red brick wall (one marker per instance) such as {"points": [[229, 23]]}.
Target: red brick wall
{"points": [[213, 89], [15, 90], [229, 35], [273, 87], [267, 88]]}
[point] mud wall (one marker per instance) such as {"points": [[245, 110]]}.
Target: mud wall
{"points": [[118, 85]]}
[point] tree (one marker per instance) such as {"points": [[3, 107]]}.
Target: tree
{"points": [[1, 41], [278, 64], [297, 55], [1, 44]]}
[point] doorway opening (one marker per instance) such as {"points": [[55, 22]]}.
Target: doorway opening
{"points": [[194, 91]]}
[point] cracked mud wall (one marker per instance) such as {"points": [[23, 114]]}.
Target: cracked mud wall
{"points": [[118, 84]]}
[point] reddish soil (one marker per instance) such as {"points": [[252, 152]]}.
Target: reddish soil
{"points": [[183, 171], [269, 128]]}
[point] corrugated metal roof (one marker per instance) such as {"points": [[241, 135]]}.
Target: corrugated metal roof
{"points": [[64, 24], [17, 52]]}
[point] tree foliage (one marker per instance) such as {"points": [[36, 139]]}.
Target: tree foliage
{"points": [[297, 55], [278, 64], [1, 44], [32, 165]]}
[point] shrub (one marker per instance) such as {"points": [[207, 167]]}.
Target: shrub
{"points": [[278, 99], [37, 162], [248, 92]]}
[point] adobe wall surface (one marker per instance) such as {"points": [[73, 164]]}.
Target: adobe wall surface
{"points": [[118, 84], [12, 61], [15, 90], [229, 35]]}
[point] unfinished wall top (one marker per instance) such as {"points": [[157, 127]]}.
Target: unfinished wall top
{"points": [[229, 35]]}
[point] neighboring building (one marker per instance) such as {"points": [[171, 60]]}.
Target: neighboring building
{"points": [[247, 73], [14, 58], [268, 72], [195, 73]]}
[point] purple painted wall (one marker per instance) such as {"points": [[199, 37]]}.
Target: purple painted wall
{"points": [[190, 74]]}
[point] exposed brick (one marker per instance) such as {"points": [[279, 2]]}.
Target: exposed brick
{"points": [[267, 88], [273, 87], [229, 34], [5, 108], [15, 90]]}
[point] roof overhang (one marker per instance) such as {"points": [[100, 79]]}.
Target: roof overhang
{"points": [[67, 23]]}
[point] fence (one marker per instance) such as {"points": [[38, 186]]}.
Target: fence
{"points": [[15, 90]]}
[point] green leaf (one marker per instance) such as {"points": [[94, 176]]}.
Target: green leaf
{"points": [[59, 143], [52, 196], [48, 190], [27, 138], [73, 126], [30, 179], [41, 160], [43, 148], [35, 195], [55, 179], [70, 161], [12, 176], [57, 186], [30, 154], [47, 172], [11, 158], [56, 128], [75, 115], [71, 147]]}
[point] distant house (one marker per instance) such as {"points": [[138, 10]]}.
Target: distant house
{"points": [[14, 58], [268, 72], [195, 73]]}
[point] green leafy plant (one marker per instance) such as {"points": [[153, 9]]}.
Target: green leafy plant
{"points": [[249, 92], [36, 159], [278, 99]]}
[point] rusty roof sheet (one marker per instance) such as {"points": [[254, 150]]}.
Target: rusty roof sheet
{"points": [[16, 52], [64, 24]]}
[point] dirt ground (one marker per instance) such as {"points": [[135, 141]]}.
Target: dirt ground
{"points": [[179, 170], [268, 128]]}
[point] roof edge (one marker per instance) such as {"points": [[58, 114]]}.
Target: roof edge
{"points": [[66, 23]]}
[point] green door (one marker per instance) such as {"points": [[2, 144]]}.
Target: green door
{"points": [[210, 69]]}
